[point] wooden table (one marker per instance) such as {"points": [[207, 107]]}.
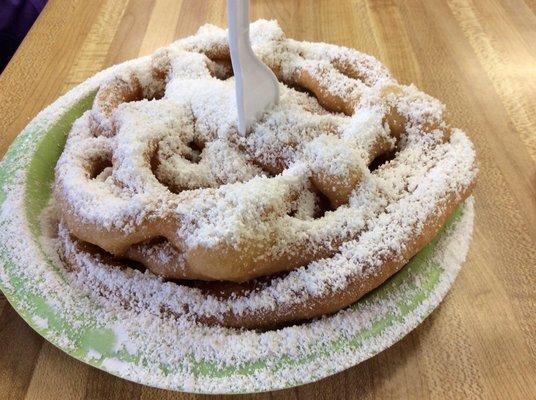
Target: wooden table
{"points": [[479, 57]]}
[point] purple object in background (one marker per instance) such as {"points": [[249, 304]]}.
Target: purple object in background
{"points": [[16, 19]]}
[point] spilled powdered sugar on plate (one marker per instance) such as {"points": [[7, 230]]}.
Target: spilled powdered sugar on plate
{"points": [[271, 360]]}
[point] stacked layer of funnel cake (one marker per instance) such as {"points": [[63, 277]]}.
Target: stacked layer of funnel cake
{"points": [[332, 191]]}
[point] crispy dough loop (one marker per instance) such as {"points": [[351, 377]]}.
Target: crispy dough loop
{"points": [[320, 80]]}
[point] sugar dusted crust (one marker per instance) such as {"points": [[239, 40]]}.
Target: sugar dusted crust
{"points": [[168, 182]]}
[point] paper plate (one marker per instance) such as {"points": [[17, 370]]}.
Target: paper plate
{"points": [[223, 360]]}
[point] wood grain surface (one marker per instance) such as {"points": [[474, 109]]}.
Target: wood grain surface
{"points": [[478, 56]]}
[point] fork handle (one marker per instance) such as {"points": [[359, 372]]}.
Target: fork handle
{"points": [[239, 46]]}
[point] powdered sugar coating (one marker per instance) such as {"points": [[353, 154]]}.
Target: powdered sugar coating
{"points": [[224, 191]]}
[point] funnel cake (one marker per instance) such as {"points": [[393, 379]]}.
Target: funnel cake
{"points": [[332, 191]]}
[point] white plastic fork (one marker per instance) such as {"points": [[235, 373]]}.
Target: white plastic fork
{"points": [[255, 84]]}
